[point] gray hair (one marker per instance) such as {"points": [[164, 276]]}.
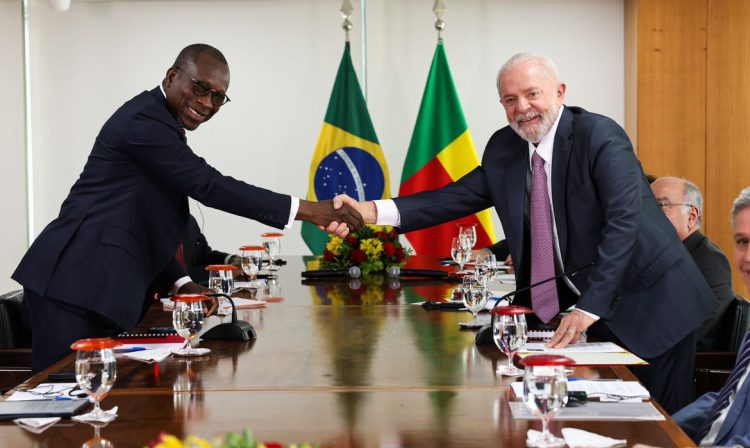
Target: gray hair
{"points": [[742, 202], [694, 197], [522, 58]]}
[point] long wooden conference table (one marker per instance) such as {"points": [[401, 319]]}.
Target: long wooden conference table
{"points": [[335, 364]]}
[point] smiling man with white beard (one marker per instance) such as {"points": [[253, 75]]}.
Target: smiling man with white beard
{"points": [[570, 193]]}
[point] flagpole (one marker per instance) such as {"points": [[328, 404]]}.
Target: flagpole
{"points": [[439, 9]]}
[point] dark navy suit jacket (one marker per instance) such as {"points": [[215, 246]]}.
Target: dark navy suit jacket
{"points": [[644, 285], [120, 226], [735, 431]]}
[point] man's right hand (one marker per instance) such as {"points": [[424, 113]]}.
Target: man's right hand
{"points": [[367, 208]]}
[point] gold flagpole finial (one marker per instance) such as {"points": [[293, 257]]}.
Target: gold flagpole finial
{"points": [[346, 12], [439, 10]]}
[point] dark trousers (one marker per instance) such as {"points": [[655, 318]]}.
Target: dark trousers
{"points": [[55, 325], [669, 377]]}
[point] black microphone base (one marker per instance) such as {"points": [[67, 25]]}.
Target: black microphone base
{"points": [[235, 331], [484, 336]]}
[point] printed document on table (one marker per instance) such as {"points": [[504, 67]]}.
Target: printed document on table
{"points": [[581, 347]]}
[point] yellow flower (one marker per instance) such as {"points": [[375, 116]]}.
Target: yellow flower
{"points": [[373, 247], [334, 244], [169, 441]]}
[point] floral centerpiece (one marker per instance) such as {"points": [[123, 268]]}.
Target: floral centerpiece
{"points": [[231, 440], [372, 248]]}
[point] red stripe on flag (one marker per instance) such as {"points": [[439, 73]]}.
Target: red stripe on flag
{"points": [[436, 240]]}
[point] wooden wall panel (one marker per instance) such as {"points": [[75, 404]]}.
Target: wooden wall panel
{"points": [[727, 117], [671, 83]]}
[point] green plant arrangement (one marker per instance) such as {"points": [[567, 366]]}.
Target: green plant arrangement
{"points": [[372, 249]]}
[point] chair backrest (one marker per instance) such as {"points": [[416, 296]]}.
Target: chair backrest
{"points": [[15, 331], [736, 323]]}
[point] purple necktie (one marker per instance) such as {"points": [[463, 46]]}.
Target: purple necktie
{"points": [[543, 297], [743, 359]]}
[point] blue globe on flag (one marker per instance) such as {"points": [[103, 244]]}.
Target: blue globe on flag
{"points": [[352, 171]]}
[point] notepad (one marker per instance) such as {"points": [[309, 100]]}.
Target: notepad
{"points": [[40, 408]]}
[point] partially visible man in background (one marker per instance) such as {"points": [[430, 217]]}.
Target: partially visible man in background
{"points": [[682, 202]]}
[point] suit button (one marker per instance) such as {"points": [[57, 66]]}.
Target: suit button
{"points": [[176, 244]]}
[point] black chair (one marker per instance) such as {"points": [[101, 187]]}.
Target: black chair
{"points": [[15, 340], [713, 368]]}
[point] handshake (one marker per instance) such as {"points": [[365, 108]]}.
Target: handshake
{"points": [[339, 215]]}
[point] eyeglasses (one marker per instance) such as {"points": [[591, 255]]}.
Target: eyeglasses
{"points": [[668, 205], [201, 89]]}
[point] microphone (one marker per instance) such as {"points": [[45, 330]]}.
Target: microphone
{"points": [[484, 335], [234, 330]]}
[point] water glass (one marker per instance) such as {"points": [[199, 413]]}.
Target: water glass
{"points": [[545, 392], [96, 371], [272, 245], [187, 319], [460, 253], [509, 331], [252, 256]]}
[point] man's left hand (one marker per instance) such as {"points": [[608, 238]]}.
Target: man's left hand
{"points": [[570, 329], [195, 288]]}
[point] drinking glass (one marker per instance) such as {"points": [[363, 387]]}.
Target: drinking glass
{"points": [[475, 296], [484, 267], [272, 245], [187, 318], [469, 233], [221, 281], [98, 441], [252, 257], [509, 333], [460, 253], [545, 392], [96, 370]]}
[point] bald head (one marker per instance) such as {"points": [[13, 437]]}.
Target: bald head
{"points": [[681, 201]]}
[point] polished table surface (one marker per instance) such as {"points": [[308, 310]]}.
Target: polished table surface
{"points": [[338, 363]]}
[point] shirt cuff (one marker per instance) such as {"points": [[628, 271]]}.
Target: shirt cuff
{"points": [[229, 257], [293, 209], [591, 315], [178, 284], [388, 214]]}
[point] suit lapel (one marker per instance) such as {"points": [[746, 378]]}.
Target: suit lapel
{"points": [[516, 187], [560, 158]]}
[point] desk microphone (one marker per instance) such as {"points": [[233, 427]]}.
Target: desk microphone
{"points": [[484, 335], [234, 330]]}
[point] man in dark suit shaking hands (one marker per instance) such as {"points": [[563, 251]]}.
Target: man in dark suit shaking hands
{"points": [[570, 192], [118, 232]]}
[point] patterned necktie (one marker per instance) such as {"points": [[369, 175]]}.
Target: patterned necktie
{"points": [[543, 297], [743, 359]]}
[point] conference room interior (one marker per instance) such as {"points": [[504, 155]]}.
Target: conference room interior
{"points": [[661, 69]]}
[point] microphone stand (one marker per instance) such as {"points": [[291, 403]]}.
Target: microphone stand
{"points": [[234, 330], [484, 335]]}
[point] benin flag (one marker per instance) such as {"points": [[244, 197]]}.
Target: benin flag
{"points": [[347, 158], [441, 151]]}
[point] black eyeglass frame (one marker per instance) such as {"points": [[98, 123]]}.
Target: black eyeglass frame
{"points": [[200, 89]]}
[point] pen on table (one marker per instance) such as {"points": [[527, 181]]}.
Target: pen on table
{"points": [[61, 398], [129, 350]]}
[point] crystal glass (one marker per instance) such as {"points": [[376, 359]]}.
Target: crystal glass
{"points": [[545, 392], [96, 371], [468, 233], [187, 318], [474, 295], [98, 441], [252, 256], [460, 253], [272, 245], [484, 267], [509, 332]]}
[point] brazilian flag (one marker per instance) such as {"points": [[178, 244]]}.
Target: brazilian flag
{"points": [[347, 158]]}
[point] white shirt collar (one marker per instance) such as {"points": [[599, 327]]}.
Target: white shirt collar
{"points": [[161, 87], [544, 148]]}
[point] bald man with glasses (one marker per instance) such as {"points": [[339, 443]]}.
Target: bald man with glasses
{"points": [[682, 202]]}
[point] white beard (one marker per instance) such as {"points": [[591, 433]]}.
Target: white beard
{"points": [[536, 133]]}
